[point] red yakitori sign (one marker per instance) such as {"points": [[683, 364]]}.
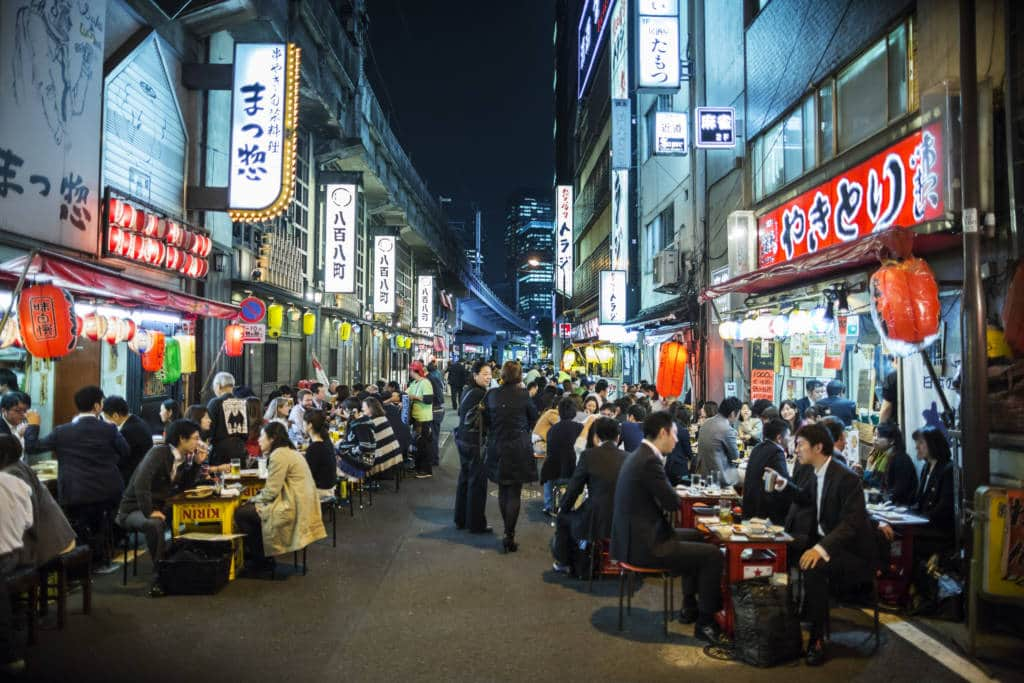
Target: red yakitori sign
{"points": [[900, 186]]}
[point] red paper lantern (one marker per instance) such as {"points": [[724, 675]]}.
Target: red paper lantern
{"points": [[127, 329], [186, 263], [113, 334], [94, 327], [153, 251], [905, 301], [153, 359], [174, 233], [233, 341], [49, 327], [154, 227], [174, 258], [671, 368]]}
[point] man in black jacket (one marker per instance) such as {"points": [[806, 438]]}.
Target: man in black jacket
{"points": [[456, 380], [164, 471], [230, 427], [88, 449], [134, 430], [598, 470], [844, 550], [767, 454], [836, 404], [471, 489], [643, 535]]}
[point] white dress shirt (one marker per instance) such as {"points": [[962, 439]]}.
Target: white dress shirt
{"points": [[15, 512], [178, 460], [655, 449], [819, 473]]}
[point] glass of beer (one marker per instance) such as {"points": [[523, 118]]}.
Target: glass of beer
{"points": [[236, 467]]}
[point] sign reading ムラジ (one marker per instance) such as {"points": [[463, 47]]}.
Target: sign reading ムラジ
{"points": [[340, 245]]}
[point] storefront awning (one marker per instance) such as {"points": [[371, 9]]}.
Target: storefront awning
{"points": [[87, 279], [834, 261]]}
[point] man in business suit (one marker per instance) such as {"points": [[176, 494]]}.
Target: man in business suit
{"points": [[844, 549], [166, 470], [632, 427], [643, 535], [836, 404], [88, 449], [716, 442], [13, 407], [134, 430], [767, 454], [815, 391], [598, 470]]}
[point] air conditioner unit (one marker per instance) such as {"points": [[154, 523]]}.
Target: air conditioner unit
{"points": [[666, 270]]}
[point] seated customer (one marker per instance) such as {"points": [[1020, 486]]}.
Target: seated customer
{"points": [[889, 467], [632, 428], [134, 430], [935, 495], [50, 534], [769, 454], [837, 430], [844, 551], [560, 457], [166, 470], [15, 521], [285, 515], [598, 470], [320, 454], [643, 535]]}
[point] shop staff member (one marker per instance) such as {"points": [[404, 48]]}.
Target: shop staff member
{"points": [[844, 550], [642, 534], [230, 428], [835, 404], [164, 471]]}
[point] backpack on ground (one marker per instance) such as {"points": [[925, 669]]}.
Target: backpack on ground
{"points": [[767, 631]]}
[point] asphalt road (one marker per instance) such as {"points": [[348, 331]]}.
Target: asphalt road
{"points": [[407, 597]]}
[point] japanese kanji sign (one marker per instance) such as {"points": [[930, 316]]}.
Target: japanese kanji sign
{"points": [[613, 297], [715, 127], [425, 302], [669, 133], [384, 274], [619, 38], [619, 244], [51, 64], [564, 265], [340, 243], [658, 50], [264, 103], [593, 22], [899, 187]]}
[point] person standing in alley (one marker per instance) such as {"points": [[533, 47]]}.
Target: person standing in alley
{"points": [[437, 384], [421, 393], [471, 491], [229, 418], [456, 381]]}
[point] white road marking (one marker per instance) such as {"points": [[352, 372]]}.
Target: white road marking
{"points": [[933, 648]]}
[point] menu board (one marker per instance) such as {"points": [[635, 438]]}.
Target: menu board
{"points": [[762, 355], [762, 384]]}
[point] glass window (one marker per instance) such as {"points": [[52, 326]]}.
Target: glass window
{"points": [[772, 166], [862, 105], [810, 126], [667, 221], [827, 137], [898, 71], [792, 137], [756, 161]]}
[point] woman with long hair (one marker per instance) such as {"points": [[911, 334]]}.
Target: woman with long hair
{"points": [[278, 410], [320, 454], [356, 452], [471, 489], [508, 417], [387, 451], [677, 463], [170, 410], [198, 413], [254, 418]]}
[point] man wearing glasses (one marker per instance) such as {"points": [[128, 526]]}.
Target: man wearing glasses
{"points": [[13, 407]]}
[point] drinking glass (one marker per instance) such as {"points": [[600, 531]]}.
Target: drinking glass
{"points": [[724, 511], [236, 467]]}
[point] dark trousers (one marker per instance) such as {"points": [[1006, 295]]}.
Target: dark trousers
{"points": [[436, 426], [456, 395], [88, 521], [471, 491], [843, 571], [425, 453], [248, 522], [509, 502], [699, 562], [153, 528], [8, 641], [566, 544]]}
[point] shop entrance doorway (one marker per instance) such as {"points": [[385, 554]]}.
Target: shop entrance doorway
{"points": [[78, 369]]}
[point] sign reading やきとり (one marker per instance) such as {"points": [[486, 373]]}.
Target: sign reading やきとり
{"points": [[899, 187]]}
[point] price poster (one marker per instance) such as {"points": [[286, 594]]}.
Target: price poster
{"points": [[762, 384]]}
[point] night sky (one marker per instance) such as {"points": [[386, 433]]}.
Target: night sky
{"points": [[469, 88]]}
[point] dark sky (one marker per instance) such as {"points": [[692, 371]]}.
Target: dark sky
{"points": [[469, 88]]}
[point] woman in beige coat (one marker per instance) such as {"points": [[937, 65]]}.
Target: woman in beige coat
{"points": [[285, 515]]}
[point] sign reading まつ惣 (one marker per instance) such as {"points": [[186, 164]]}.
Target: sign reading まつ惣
{"points": [[264, 130], [899, 187]]}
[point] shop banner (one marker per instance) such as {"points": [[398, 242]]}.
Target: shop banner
{"points": [[921, 403], [899, 187], [51, 67]]}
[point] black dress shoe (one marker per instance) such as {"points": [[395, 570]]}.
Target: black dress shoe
{"points": [[156, 590], [688, 615], [816, 652], [485, 530], [710, 633]]}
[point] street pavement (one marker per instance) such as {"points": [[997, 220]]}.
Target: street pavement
{"points": [[407, 597]]}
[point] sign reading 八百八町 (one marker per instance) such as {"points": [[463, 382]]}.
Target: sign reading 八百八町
{"points": [[425, 302], [340, 243], [384, 274]]}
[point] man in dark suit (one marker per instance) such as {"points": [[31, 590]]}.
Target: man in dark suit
{"points": [[13, 407], [230, 429], [767, 454], [88, 449], [166, 470], [643, 535], [134, 430], [456, 380], [844, 549], [835, 404], [598, 470], [632, 429], [815, 391]]}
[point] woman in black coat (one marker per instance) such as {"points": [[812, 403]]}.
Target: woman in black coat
{"points": [[560, 461], [508, 419], [935, 494], [471, 490]]}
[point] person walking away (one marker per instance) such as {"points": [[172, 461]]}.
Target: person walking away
{"points": [[168, 468], [89, 483], [507, 419], [437, 384], [230, 426], [456, 380], [471, 489], [421, 394], [560, 459]]}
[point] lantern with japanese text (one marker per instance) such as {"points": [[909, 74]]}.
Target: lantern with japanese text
{"points": [[233, 341], [46, 314], [905, 305], [672, 367], [153, 359], [172, 361], [141, 341], [308, 323], [187, 347]]}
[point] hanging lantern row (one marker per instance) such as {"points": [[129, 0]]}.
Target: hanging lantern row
{"points": [[778, 326], [131, 219], [153, 252]]}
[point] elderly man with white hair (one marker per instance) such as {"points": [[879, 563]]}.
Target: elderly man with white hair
{"points": [[230, 427]]}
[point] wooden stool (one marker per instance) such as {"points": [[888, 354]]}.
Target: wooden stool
{"points": [[71, 565], [330, 504], [25, 581], [628, 570]]}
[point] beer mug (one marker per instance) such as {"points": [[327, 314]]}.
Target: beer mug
{"points": [[236, 467]]}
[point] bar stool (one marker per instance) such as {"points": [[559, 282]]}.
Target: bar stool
{"points": [[25, 581], [71, 565], [330, 505], [626, 573]]}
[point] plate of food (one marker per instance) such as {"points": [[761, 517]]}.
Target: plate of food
{"points": [[199, 492]]}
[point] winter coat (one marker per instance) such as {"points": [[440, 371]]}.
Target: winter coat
{"points": [[507, 421], [561, 458], [288, 505]]}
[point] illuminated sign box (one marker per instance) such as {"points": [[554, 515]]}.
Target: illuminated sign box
{"points": [[613, 297], [384, 274], [593, 22], [715, 127], [425, 302], [340, 241], [670, 133], [564, 265]]}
